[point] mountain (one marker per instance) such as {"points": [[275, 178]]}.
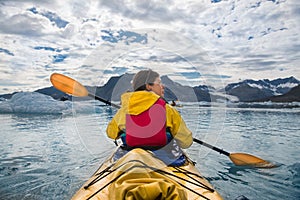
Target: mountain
{"points": [[291, 96], [55, 93], [251, 90], [7, 96], [116, 86], [278, 90], [180, 92]]}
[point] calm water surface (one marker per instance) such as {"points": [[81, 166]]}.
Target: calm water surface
{"points": [[51, 156]]}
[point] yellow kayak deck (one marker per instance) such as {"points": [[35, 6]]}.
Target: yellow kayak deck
{"points": [[140, 175]]}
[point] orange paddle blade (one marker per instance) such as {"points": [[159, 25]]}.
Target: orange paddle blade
{"points": [[68, 85], [247, 159]]}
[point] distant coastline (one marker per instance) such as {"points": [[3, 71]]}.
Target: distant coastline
{"points": [[284, 90]]}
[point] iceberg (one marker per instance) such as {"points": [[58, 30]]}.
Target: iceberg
{"points": [[34, 102]]}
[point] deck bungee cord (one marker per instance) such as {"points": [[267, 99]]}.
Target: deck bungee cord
{"points": [[106, 172]]}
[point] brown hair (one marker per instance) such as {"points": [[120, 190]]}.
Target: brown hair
{"points": [[142, 78]]}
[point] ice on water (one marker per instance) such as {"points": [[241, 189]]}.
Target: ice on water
{"points": [[33, 102]]}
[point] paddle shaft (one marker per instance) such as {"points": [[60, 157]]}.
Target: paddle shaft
{"points": [[103, 100], [221, 151]]}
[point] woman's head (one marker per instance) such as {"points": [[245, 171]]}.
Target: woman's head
{"points": [[148, 80]]}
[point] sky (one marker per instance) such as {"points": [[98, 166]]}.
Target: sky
{"points": [[194, 42]]}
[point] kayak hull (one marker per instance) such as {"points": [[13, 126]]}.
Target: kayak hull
{"points": [[140, 175]]}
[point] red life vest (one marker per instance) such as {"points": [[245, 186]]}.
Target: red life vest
{"points": [[147, 129]]}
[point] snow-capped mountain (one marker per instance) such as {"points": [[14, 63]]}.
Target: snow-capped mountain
{"points": [[252, 90], [245, 91], [278, 90], [291, 96], [116, 86]]}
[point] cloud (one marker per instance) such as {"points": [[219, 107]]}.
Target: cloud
{"points": [[157, 11], [147, 10], [24, 24], [222, 41]]}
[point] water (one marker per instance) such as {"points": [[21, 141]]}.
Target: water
{"points": [[50, 156]]}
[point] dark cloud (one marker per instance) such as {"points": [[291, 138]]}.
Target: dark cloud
{"points": [[145, 10], [22, 24]]}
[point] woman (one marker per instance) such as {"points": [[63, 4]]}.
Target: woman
{"points": [[145, 120]]}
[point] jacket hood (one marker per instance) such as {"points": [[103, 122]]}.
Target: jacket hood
{"points": [[138, 102]]}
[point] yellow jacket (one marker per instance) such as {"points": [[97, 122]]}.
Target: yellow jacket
{"points": [[134, 103]]}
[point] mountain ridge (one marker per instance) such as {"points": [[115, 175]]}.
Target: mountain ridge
{"points": [[277, 90]]}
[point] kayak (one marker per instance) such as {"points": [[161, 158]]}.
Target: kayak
{"points": [[138, 174]]}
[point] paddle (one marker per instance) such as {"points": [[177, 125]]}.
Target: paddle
{"points": [[71, 86], [240, 159]]}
